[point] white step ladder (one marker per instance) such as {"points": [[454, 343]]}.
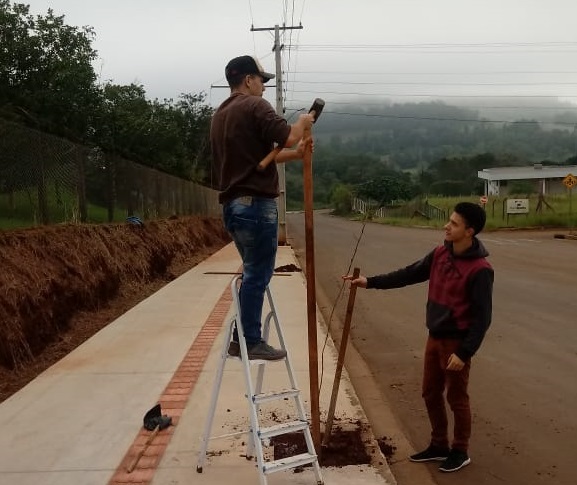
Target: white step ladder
{"points": [[256, 397]]}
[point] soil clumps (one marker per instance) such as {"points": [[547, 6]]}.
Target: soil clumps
{"points": [[61, 284]]}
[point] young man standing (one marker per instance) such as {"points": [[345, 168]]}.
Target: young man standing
{"points": [[244, 130], [459, 309]]}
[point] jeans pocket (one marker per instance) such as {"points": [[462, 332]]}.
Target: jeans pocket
{"points": [[250, 223], [269, 211], [241, 222]]}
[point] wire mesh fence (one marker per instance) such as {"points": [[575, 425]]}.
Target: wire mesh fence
{"points": [[45, 180]]}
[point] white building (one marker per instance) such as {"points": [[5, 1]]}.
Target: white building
{"points": [[546, 179]]}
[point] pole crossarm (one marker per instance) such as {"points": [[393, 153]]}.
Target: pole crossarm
{"points": [[283, 27]]}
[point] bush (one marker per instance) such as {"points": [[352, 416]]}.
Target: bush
{"points": [[341, 199]]}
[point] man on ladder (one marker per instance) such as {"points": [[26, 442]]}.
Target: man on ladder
{"points": [[244, 130], [243, 133]]}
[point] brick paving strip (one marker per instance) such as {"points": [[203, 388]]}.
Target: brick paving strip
{"points": [[173, 400]]}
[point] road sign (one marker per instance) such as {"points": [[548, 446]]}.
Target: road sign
{"points": [[484, 199], [570, 181], [517, 206]]}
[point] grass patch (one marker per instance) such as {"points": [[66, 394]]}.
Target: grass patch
{"points": [[560, 212], [21, 209]]}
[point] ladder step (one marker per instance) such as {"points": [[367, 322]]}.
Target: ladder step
{"points": [[272, 396], [263, 361], [282, 428], [288, 463]]}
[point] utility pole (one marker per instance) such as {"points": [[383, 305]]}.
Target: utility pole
{"points": [[277, 48]]}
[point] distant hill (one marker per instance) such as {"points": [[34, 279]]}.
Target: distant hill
{"points": [[414, 135]]}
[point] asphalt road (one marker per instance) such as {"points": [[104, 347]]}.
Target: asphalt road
{"points": [[523, 383]]}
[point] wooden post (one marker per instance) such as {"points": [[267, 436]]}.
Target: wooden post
{"points": [[341, 359], [311, 293]]}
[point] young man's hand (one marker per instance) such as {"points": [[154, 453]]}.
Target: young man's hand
{"points": [[454, 363], [361, 281]]}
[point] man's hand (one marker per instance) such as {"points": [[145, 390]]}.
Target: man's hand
{"points": [[454, 363], [302, 147], [361, 281], [304, 122], [307, 120]]}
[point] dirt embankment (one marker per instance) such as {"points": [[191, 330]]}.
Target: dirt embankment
{"points": [[61, 284]]}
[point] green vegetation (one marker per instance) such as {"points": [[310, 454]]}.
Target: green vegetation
{"points": [[47, 82], [386, 152], [413, 135], [557, 215], [19, 209]]}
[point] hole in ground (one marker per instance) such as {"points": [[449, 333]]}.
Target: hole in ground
{"points": [[346, 447]]}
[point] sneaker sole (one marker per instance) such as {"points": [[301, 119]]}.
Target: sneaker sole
{"points": [[265, 357], [423, 460], [449, 470]]}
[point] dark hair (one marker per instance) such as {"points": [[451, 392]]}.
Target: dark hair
{"points": [[236, 80], [473, 214]]}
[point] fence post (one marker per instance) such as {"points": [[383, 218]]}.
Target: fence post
{"points": [[81, 185], [110, 188], [41, 189]]}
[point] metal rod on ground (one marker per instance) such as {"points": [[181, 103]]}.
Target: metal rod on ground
{"points": [[311, 294], [237, 272], [341, 359]]}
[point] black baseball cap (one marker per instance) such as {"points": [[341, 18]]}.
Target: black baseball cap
{"points": [[246, 65]]}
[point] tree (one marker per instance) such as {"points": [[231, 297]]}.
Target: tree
{"points": [[387, 188], [341, 199], [172, 137], [47, 81], [121, 123], [194, 128], [46, 75]]}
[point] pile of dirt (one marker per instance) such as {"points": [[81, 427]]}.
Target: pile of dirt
{"points": [[346, 446], [61, 284]]}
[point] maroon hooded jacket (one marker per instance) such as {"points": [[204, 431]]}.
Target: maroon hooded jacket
{"points": [[459, 304]]}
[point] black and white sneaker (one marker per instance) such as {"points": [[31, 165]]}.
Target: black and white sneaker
{"points": [[432, 453], [455, 461]]}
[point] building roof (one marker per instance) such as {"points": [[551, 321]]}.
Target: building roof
{"points": [[537, 171]]}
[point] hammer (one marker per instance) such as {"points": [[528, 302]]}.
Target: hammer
{"points": [[316, 110], [154, 421]]}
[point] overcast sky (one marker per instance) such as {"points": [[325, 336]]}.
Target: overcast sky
{"points": [[346, 51]]}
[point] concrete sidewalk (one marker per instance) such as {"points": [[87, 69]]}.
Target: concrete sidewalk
{"points": [[80, 422]]}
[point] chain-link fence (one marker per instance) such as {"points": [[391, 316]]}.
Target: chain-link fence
{"points": [[45, 179]]}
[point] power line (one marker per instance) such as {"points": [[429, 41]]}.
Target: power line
{"points": [[287, 59], [400, 95], [451, 73], [252, 23], [461, 120], [286, 80], [443, 45], [389, 83], [476, 107], [369, 50]]}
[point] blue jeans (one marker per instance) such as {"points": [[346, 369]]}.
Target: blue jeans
{"points": [[253, 225]]}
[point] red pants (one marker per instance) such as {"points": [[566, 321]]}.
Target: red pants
{"points": [[436, 378]]}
